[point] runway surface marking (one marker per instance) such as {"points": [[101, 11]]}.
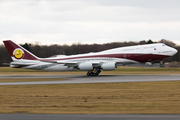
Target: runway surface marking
{"points": [[84, 79], [86, 117]]}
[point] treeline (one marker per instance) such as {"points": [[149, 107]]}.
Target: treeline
{"points": [[50, 50]]}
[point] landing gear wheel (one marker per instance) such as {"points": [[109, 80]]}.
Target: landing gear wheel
{"points": [[161, 65], [88, 74], [94, 72]]}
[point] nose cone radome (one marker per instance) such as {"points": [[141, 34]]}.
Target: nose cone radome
{"points": [[174, 51]]}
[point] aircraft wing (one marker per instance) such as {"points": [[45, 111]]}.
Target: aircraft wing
{"points": [[69, 64], [20, 63], [74, 64]]}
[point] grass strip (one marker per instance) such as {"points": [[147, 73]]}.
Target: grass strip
{"points": [[95, 98]]}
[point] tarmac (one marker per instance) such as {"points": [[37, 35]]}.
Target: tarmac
{"points": [[72, 79], [86, 117]]}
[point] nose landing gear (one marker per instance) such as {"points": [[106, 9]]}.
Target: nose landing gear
{"points": [[161, 64], [94, 72]]}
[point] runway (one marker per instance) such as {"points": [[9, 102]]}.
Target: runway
{"points": [[69, 79], [86, 117]]}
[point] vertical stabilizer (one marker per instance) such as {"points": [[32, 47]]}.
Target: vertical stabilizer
{"points": [[17, 52]]}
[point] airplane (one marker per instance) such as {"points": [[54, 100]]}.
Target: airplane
{"points": [[93, 63]]}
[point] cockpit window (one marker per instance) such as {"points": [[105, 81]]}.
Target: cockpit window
{"points": [[163, 45]]}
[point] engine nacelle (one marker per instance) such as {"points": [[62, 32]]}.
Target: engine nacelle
{"points": [[86, 66], [108, 66]]}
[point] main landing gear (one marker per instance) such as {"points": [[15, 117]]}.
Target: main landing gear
{"points": [[161, 64], [94, 72]]}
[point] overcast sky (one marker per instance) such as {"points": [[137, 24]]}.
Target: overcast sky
{"points": [[89, 21]]}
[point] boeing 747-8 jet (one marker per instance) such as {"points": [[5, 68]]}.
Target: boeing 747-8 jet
{"points": [[93, 63]]}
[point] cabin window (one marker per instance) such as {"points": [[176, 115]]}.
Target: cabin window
{"points": [[128, 49], [137, 48]]}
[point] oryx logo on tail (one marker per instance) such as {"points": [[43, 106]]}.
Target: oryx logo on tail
{"points": [[18, 53]]}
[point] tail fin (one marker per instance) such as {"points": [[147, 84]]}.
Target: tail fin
{"points": [[17, 52]]}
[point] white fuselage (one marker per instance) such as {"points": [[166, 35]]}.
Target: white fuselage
{"points": [[118, 56]]}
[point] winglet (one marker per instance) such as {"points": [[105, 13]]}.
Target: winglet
{"points": [[17, 52]]}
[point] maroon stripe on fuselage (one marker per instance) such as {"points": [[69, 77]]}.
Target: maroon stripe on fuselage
{"points": [[135, 57]]}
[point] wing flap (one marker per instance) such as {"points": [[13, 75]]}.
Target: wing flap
{"points": [[20, 63], [75, 64]]}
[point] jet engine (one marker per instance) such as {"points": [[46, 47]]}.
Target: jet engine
{"points": [[108, 66], [86, 66]]}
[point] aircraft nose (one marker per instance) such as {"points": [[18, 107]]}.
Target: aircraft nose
{"points": [[174, 51]]}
